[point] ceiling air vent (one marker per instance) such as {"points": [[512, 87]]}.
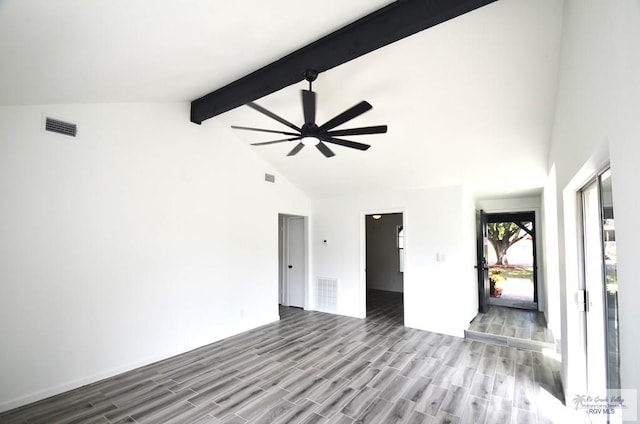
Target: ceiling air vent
{"points": [[60, 127], [270, 178]]}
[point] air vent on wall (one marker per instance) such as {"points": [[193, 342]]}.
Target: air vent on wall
{"points": [[60, 127], [327, 294], [270, 178]]}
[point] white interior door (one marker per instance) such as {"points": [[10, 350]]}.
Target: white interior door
{"points": [[295, 261]]}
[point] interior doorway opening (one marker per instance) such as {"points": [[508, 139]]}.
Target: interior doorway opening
{"points": [[384, 269], [292, 261]]}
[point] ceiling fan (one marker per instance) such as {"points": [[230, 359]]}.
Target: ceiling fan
{"points": [[310, 134]]}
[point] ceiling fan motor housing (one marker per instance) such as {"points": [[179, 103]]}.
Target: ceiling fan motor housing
{"points": [[309, 130], [312, 134]]}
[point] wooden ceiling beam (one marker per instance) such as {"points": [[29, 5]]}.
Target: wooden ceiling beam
{"points": [[378, 29]]}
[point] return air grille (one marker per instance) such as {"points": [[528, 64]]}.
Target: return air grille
{"points": [[327, 294], [60, 127]]}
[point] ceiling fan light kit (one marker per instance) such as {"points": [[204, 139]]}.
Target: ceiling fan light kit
{"points": [[310, 141], [310, 134]]}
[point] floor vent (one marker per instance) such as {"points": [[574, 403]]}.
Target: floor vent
{"points": [[60, 127], [327, 294]]}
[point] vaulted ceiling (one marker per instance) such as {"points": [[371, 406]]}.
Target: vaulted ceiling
{"points": [[470, 101]]}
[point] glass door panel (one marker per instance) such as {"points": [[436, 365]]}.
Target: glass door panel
{"points": [[611, 281], [596, 373], [601, 285]]}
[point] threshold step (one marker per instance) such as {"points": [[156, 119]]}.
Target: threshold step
{"points": [[495, 339]]}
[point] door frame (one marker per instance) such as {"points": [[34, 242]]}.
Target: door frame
{"points": [[283, 242], [541, 288], [527, 216], [362, 289], [601, 344]]}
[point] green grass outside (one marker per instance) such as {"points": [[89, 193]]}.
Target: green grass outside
{"points": [[512, 272]]}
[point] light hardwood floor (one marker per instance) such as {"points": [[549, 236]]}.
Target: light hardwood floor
{"points": [[312, 367]]}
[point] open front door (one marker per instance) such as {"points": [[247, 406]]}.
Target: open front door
{"points": [[482, 265]]}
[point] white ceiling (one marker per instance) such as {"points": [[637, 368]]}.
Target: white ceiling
{"points": [[470, 101]]}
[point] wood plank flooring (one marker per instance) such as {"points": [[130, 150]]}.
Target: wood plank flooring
{"points": [[313, 367], [385, 307], [512, 327]]}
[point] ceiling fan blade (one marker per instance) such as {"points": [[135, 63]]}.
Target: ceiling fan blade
{"points": [[236, 127], [324, 149], [345, 116], [309, 106], [272, 115], [378, 129], [296, 149], [345, 143], [264, 143]]}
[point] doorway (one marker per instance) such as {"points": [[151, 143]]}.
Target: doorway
{"points": [[507, 262], [292, 269], [384, 269]]}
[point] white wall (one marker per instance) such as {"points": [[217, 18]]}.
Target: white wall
{"points": [[439, 296], [383, 259], [469, 300], [596, 120], [129, 244], [549, 245], [509, 204]]}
